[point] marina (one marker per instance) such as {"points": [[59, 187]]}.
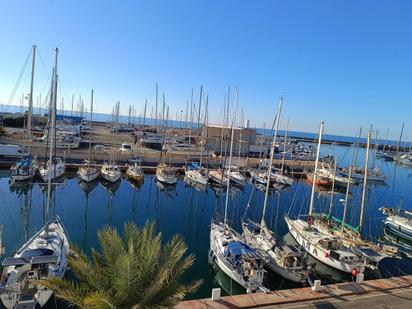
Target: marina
{"points": [[205, 155]]}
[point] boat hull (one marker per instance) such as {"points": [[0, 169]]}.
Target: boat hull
{"points": [[88, 174], [317, 252]]}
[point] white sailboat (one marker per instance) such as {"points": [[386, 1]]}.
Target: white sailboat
{"points": [[43, 255], [287, 261], [89, 171], [109, 170], [164, 172], [135, 172], [235, 258], [323, 247], [350, 236], [24, 169]]}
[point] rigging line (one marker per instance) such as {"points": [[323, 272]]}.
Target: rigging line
{"points": [[23, 69]]}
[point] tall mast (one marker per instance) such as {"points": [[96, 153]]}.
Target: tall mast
{"points": [[333, 186], [400, 139], [365, 178], [346, 198], [202, 139], [90, 133], [355, 154], [144, 114], [312, 195], [157, 99], [272, 151], [53, 129], [284, 146], [230, 156], [200, 108], [29, 116]]}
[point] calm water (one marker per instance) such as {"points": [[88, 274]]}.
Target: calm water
{"points": [[187, 211]]}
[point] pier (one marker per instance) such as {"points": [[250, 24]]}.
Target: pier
{"points": [[380, 293]]}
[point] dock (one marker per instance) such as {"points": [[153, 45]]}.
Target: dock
{"points": [[380, 293]]}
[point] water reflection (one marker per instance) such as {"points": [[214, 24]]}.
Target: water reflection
{"points": [[187, 209]]}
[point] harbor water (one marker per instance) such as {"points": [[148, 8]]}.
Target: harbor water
{"points": [[187, 210]]}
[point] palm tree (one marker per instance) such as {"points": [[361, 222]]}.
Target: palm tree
{"points": [[132, 270]]}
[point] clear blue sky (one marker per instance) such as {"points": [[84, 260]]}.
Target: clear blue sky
{"points": [[346, 62]]}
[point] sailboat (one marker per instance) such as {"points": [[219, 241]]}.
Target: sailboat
{"points": [[54, 168], [165, 173], [135, 172], [43, 255], [287, 261], [352, 236], [88, 171], [24, 169], [374, 174], [236, 259], [109, 171], [323, 247]]}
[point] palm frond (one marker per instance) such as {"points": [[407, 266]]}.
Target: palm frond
{"points": [[67, 290]]}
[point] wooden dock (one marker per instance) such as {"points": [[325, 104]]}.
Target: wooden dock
{"points": [[381, 293]]}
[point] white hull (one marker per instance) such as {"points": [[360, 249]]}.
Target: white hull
{"points": [[197, 177], [88, 174], [110, 177], [282, 179], [17, 279], [53, 172], [22, 177], [265, 247], [166, 174], [166, 180], [217, 237], [307, 239]]}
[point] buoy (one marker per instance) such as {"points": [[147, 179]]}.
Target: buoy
{"points": [[326, 254], [355, 272]]}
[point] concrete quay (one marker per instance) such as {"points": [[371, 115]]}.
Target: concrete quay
{"points": [[380, 293]]}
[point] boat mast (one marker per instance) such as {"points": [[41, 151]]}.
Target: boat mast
{"points": [[29, 116], [90, 133], [200, 108], [202, 140], [157, 99], [230, 156], [53, 129], [400, 139], [332, 193], [365, 178], [272, 151], [346, 198], [284, 147], [144, 114], [312, 195], [355, 154]]}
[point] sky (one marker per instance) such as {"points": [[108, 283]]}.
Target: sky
{"points": [[348, 63]]}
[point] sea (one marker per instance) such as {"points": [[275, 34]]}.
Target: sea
{"points": [[187, 210]]}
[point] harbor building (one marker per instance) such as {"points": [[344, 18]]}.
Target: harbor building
{"points": [[217, 139]]}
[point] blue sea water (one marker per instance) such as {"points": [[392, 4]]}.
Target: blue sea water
{"points": [[187, 211]]}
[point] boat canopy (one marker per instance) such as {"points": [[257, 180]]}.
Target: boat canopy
{"points": [[25, 162], [235, 250], [42, 259]]}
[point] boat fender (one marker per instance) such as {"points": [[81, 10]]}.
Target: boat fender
{"points": [[326, 254]]}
